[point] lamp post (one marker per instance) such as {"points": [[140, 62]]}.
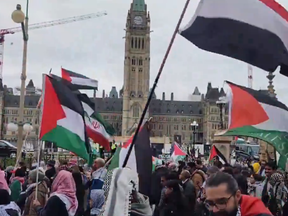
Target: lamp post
{"points": [[19, 17], [13, 127], [194, 126], [221, 104]]}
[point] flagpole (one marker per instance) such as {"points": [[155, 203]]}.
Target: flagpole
{"points": [[155, 83]]}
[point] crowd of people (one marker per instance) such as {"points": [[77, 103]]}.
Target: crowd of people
{"points": [[52, 189], [256, 189], [178, 189]]}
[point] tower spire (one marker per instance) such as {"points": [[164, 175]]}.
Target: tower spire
{"points": [[138, 5]]}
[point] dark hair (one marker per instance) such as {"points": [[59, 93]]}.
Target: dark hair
{"points": [[271, 164], [191, 164], [219, 178], [20, 173], [172, 176], [173, 184], [228, 170]]}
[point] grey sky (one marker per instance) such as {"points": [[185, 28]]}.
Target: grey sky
{"points": [[95, 47]]}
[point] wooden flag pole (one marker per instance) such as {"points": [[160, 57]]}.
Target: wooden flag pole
{"points": [[155, 83]]}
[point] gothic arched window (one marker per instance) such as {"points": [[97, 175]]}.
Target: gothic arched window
{"points": [[132, 42], [139, 43], [136, 43], [140, 61], [133, 61], [143, 44], [136, 111]]}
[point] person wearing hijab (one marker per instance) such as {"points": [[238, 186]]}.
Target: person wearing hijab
{"points": [[8, 208], [277, 192], [3, 182], [30, 193], [97, 200], [63, 200]]}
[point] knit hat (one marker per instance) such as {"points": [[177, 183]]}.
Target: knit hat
{"points": [[33, 175]]}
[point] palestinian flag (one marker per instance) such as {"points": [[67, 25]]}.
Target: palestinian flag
{"points": [[72, 87], [177, 154], [257, 37], [156, 162], [79, 80], [214, 152], [97, 129], [140, 159], [63, 119], [257, 115]]}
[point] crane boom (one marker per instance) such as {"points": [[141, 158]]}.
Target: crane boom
{"points": [[3, 32], [54, 22]]}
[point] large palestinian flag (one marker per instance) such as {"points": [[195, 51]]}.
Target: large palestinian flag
{"points": [[79, 80], [177, 154], [140, 159], [258, 36], [255, 114], [97, 128], [62, 120]]}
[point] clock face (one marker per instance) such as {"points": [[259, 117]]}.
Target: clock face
{"points": [[138, 20]]}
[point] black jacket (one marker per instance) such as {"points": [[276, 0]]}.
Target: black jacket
{"points": [[54, 207]]}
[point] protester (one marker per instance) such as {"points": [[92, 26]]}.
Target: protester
{"points": [[63, 200], [3, 182], [8, 208], [175, 203], [16, 184], [97, 200], [189, 190], [277, 194], [30, 193], [223, 197]]}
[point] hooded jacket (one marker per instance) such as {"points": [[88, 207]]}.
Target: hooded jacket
{"points": [[252, 206]]}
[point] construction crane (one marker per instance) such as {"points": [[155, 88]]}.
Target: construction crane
{"points": [[4, 32], [250, 76]]}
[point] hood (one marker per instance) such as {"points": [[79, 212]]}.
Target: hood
{"points": [[142, 208], [251, 206]]}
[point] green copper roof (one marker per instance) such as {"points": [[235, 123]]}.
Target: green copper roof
{"points": [[138, 5]]}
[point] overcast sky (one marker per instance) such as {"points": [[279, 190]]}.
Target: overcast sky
{"points": [[95, 47]]}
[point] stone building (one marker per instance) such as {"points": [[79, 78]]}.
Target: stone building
{"points": [[11, 113]]}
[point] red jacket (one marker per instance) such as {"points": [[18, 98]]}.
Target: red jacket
{"points": [[253, 206]]}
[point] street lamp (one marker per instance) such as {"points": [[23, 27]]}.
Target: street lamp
{"points": [[13, 127], [194, 126], [221, 104], [19, 17]]}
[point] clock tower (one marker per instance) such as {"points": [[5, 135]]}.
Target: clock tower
{"points": [[136, 66]]}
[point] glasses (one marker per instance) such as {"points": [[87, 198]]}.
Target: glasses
{"points": [[220, 204]]}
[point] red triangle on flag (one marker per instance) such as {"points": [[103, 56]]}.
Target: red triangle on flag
{"points": [[213, 153], [178, 151], [65, 75], [52, 110], [242, 105]]}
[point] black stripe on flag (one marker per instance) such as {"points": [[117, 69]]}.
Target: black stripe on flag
{"points": [[66, 96], [143, 154], [261, 97], [71, 86]]}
